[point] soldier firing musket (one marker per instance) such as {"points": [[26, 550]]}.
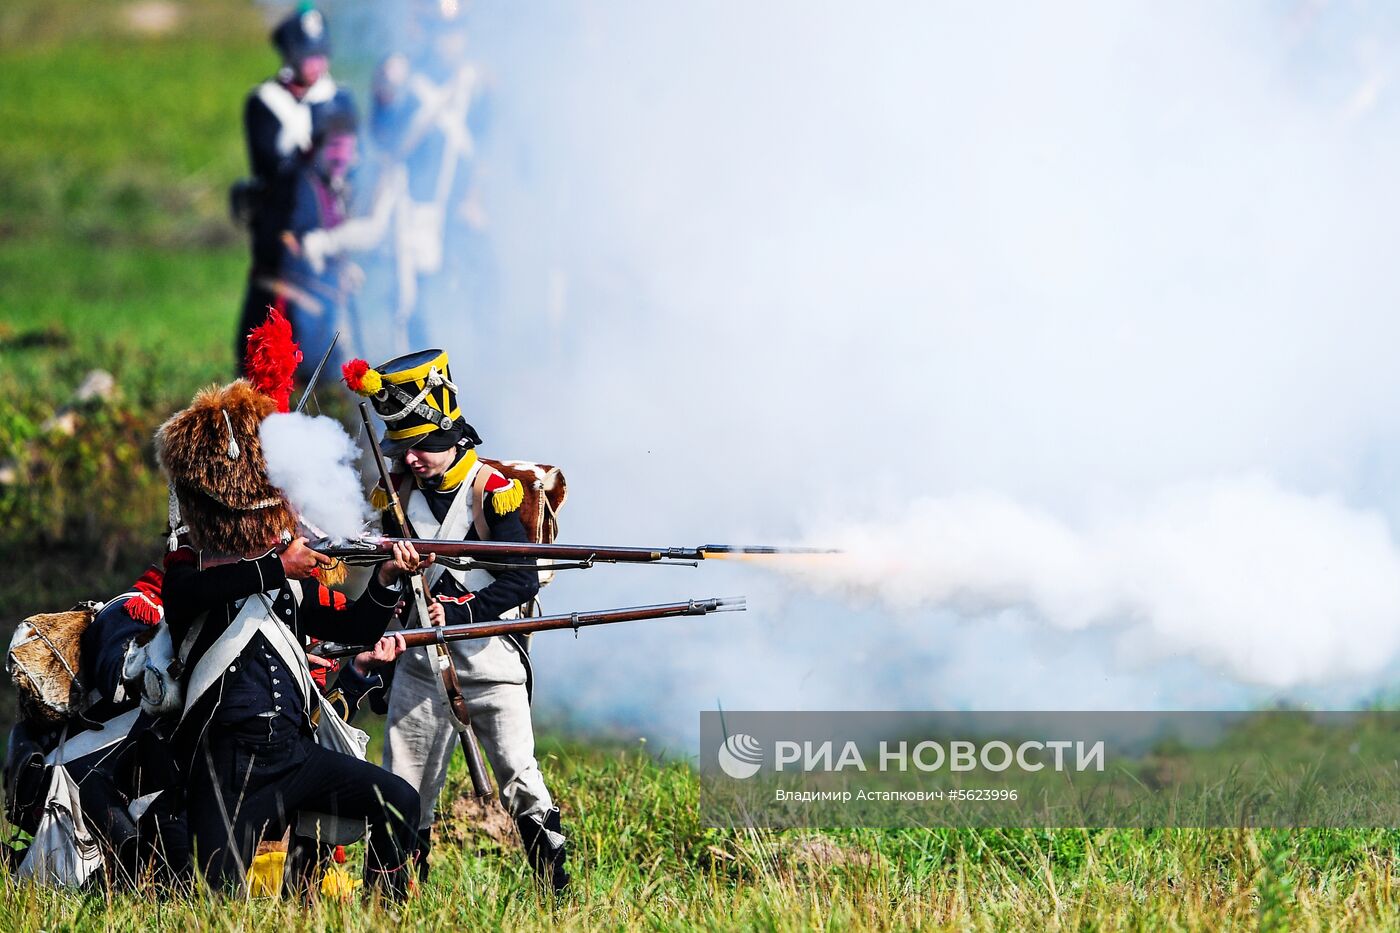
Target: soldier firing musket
{"points": [[445, 491]]}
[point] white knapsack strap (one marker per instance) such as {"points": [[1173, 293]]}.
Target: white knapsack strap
{"points": [[483, 476], [93, 740], [294, 117], [255, 616], [453, 527]]}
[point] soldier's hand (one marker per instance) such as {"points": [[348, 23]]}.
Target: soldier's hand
{"points": [[406, 560], [385, 651], [300, 562], [315, 245], [436, 614]]}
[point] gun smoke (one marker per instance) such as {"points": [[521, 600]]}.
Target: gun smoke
{"points": [[316, 464], [1268, 586], [1074, 327]]}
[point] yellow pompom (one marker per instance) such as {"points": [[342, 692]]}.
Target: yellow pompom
{"points": [[371, 382], [508, 499]]}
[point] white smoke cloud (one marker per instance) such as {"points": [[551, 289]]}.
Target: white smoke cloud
{"points": [[1272, 587], [1074, 325], [314, 462]]}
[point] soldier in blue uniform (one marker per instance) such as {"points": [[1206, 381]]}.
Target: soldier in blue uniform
{"points": [[117, 755], [320, 291], [259, 747], [277, 122]]}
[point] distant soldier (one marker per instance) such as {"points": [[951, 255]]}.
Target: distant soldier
{"points": [[320, 293], [448, 492], [425, 107], [425, 210], [277, 123]]}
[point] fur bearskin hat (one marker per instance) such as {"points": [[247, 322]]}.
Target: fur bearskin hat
{"points": [[213, 457]]}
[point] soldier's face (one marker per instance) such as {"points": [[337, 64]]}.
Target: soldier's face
{"points": [[427, 464], [337, 155], [311, 69]]}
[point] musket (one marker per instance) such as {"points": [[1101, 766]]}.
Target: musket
{"points": [[447, 671], [442, 634], [493, 555], [311, 383]]}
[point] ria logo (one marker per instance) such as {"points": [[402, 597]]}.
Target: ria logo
{"points": [[740, 756]]}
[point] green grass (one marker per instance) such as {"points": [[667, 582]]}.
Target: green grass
{"points": [[115, 254], [114, 175], [176, 309], [117, 138], [643, 861]]}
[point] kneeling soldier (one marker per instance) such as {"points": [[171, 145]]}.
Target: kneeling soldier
{"points": [[239, 607]]}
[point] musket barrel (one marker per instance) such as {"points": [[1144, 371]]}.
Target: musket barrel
{"points": [[419, 637], [373, 549], [713, 550]]}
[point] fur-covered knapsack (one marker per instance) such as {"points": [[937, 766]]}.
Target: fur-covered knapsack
{"points": [[45, 661]]}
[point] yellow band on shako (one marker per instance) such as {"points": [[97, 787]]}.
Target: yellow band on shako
{"points": [[417, 373], [418, 430]]}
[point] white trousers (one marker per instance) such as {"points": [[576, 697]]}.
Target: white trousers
{"points": [[420, 739]]}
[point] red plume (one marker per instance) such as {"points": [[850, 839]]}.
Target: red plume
{"points": [[354, 373], [361, 379], [272, 358]]}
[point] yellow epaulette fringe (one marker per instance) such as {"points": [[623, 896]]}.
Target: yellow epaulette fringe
{"points": [[379, 499], [508, 499]]}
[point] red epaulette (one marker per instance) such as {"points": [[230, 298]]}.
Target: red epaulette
{"points": [[455, 600], [145, 606], [506, 495]]}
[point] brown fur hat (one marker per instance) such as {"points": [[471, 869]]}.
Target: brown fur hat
{"points": [[220, 480]]}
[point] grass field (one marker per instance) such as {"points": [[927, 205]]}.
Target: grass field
{"points": [[644, 862], [115, 253]]}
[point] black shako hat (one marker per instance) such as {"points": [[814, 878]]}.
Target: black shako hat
{"points": [[417, 399], [302, 35]]}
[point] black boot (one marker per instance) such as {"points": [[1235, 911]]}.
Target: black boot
{"points": [[420, 854], [546, 848]]}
